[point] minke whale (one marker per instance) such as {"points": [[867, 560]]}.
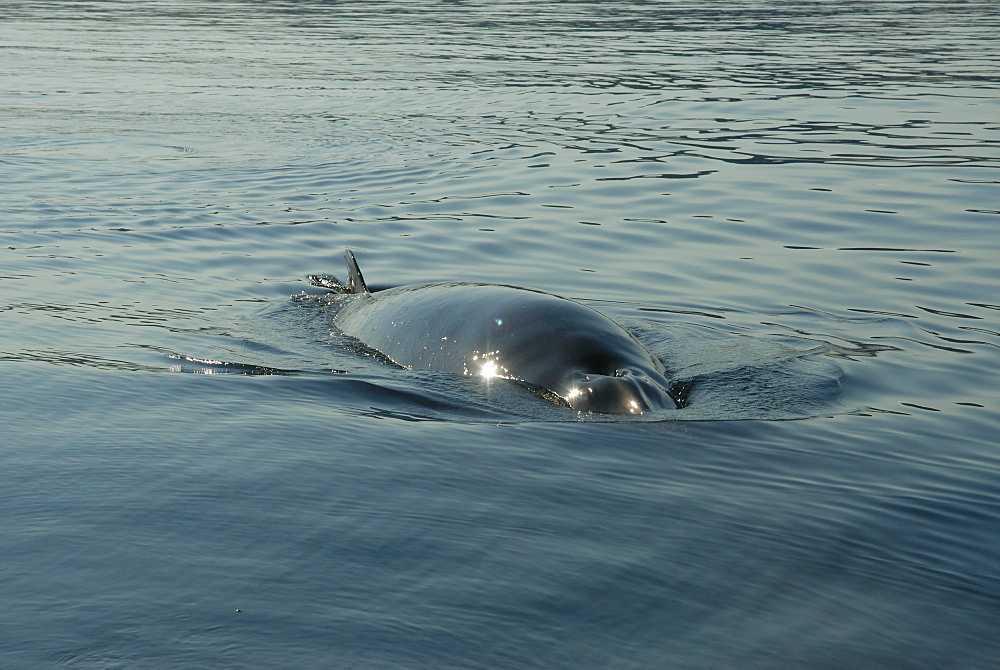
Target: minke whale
{"points": [[561, 349]]}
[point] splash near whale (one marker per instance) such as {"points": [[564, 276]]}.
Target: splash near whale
{"points": [[565, 351]]}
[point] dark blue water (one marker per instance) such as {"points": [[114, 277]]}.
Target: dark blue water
{"points": [[794, 205]]}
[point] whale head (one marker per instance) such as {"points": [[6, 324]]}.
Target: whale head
{"points": [[627, 391]]}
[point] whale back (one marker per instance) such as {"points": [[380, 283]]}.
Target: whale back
{"points": [[494, 330]]}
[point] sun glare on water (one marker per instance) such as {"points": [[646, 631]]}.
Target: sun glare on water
{"points": [[490, 370]]}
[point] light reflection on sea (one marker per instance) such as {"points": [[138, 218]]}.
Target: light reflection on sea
{"points": [[792, 205]]}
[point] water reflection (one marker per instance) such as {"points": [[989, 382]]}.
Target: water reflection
{"points": [[792, 204]]}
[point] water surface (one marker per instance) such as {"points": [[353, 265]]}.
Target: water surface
{"points": [[793, 205]]}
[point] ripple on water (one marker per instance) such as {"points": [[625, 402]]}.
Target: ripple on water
{"points": [[792, 204]]}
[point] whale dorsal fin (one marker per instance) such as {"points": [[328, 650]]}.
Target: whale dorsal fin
{"points": [[355, 281]]}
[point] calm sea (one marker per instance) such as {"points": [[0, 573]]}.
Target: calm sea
{"points": [[794, 204]]}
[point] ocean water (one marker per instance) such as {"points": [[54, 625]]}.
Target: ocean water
{"points": [[794, 205]]}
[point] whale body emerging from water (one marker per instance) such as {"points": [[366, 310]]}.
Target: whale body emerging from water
{"points": [[571, 353]]}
